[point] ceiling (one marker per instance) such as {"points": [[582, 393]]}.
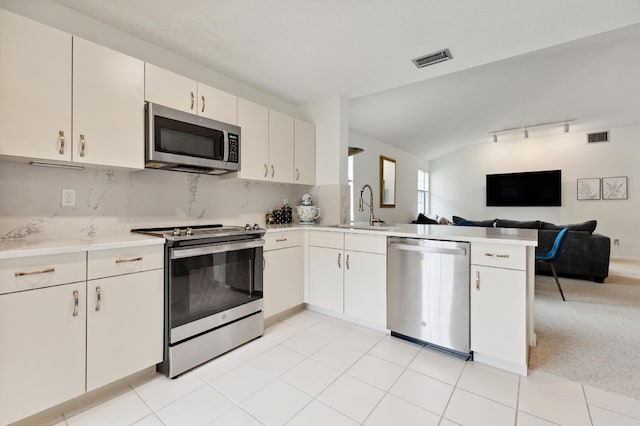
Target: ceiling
{"points": [[515, 62]]}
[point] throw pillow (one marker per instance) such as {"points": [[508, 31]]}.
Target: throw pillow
{"points": [[588, 226], [424, 220], [527, 224]]}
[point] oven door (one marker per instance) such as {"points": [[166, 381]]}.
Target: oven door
{"points": [[208, 281]]}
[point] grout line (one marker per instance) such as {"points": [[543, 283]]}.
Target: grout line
{"points": [[586, 401]]}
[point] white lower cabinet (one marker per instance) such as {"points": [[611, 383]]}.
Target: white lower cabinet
{"points": [[499, 305], [62, 336], [124, 325], [347, 274], [283, 276]]}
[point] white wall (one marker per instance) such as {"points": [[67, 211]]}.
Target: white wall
{"points": [[458, 182], [366, 170], [115, 200]]}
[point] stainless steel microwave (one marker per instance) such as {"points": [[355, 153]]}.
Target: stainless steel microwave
{"points": [[179, 141]]}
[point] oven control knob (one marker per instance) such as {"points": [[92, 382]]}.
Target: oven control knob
{"points": [[247, 227], [255, 227], [176, 232], [189, 231]]}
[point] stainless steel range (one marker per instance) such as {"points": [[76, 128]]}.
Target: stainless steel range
{"points": [[213, 291]]}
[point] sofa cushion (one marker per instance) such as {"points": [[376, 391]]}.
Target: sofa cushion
{"points": [[528, 224], [424, 220], [589, 226]]}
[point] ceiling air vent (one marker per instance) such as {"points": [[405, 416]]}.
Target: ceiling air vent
{"points": [[432, 58], [598, 137]]}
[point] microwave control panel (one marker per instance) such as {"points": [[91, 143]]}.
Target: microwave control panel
{"points": [[234, 148]]}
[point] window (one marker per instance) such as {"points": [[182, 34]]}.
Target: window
{"points": [[350, 177], [423, 192]]}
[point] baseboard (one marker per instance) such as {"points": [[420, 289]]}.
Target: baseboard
{"points": [[628, 259], [55, 414], [273, 319]]}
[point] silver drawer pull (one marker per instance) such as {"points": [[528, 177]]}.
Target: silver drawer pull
{"points": [[339, 263], [193, 100], [477, 280], [98, 297], [281, 240], [75, 303], [83, 144], [42, 271], [347, 262], [202, 97], [134, 259], [499, 256]]}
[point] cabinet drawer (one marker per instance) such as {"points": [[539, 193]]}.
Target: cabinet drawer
{"points": [[499, 255], [280, 240], [28, 273], [365, 243], [326, 239], [108, 263]]}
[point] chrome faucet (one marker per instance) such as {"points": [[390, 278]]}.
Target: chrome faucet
{"points": [[372, 218]]}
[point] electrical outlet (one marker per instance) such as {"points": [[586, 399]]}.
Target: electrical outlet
{"points": [[68, 197], [286, 201], [616, 242]]}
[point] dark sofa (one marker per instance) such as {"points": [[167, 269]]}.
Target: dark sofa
{"points": [[585, 254]]}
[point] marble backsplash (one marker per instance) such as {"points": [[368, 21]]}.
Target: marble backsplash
{"points": [[109, 201]]}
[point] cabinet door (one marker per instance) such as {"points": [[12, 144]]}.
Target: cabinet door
{"points": [[42, 360], [35, 89], [325, 278], [365, 286], [498, 313], [170, 89], [108, 106], [253, 119], [125, 334], [217, 104], [283, 279], [280, 147], [304, 152]]}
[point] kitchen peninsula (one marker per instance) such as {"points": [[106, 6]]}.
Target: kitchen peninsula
{"points": [[346, 277]]}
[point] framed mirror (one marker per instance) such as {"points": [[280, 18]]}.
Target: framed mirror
{"points": [[387, 182]]}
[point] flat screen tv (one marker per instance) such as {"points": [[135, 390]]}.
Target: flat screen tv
{"points": [[524, 189]]}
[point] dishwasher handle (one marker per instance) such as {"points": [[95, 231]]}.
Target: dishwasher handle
{"points": [[426, 249]]}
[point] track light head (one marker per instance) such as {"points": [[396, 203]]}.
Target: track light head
{"points": [[526, 133], [566, 128], [495, 138]]}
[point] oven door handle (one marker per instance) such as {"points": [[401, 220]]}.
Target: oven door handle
{"points": [[181, 253]]}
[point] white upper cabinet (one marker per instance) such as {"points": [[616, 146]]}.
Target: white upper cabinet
{"points": [[35, 89], [40, 69], [217, 104], [280, 147], [304, 153], [108, 106], [170, 89], [253, 120], [178, 92]]}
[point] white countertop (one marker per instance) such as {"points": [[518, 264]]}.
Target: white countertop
{"points": [[517, 236], [24, 247]]}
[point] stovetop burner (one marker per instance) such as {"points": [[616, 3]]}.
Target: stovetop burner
{"points": [[200, 231]]}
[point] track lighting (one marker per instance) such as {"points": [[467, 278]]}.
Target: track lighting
{"points": [[525, 129]]}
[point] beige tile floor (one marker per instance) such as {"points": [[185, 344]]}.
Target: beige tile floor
{"points": [[315, 370]]}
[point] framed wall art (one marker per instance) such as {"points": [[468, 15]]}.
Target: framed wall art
{"points": [[614, 188], [588, 189]]}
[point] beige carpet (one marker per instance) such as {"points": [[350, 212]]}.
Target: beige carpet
{"points": [[593, 337]]}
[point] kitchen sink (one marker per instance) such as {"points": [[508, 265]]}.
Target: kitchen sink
{"points": [[377, 226]]}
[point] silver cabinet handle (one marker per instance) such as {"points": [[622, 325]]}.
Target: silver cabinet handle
{"points": [[500, 256], [266, 170], [347, 262], [82, 145], [281, 240], [61, 136], [273, 171], [202, 97], [297, 174], [193, 100], [98, 297], [134, 259], [339, 256], [477, 280], [75, 303], [42, 271]]}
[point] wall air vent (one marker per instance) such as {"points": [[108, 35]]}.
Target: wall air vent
{"points": [[432, 58], [598, 137]]}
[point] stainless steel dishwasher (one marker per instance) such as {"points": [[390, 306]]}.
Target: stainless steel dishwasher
{"points": [[428, 292]]}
